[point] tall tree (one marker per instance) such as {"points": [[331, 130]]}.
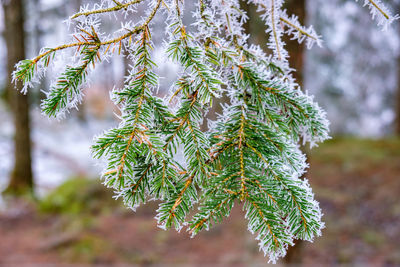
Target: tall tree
{"points": [[296, 50], [397, 129], [21, 177], [296, 61], [397, 111]]}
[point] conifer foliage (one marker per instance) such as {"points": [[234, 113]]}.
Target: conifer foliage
{"points": [[249, 156]]}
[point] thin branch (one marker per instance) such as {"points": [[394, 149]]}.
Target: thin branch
{"points": [[118, 6], [379, 9], [300, 30]]}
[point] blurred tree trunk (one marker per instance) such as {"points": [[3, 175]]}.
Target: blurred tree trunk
{"points": [[397, 112], [296, 50], [21, 178], [37, 35], [74, 7], [396, 7], [296, 61]]}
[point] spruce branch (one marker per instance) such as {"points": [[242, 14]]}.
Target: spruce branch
{"points": [[24, 72], [250, 155], [66, 92]]}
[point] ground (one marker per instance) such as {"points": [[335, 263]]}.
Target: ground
{"points": [[356, 181]]}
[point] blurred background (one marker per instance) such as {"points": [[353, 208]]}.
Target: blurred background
{"points": [[71, 218]]}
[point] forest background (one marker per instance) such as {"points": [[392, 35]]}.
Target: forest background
{"points": [[73, 219]]}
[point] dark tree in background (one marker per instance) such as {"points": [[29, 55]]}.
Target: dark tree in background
{"points": [[255, 28], [296, 50], [397, 111], [21, 181], [296, 61], [397, 129]]}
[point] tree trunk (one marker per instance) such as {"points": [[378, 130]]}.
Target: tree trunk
{"points": [[21, 177], [296, 50], [397, 111], [296, 61]]}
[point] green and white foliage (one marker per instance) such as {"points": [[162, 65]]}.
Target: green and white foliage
{"points": [[250, 155]]}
